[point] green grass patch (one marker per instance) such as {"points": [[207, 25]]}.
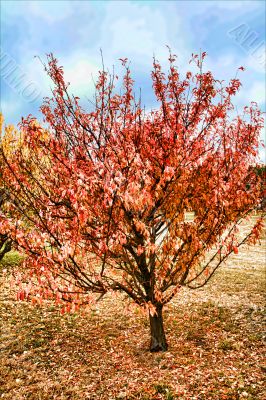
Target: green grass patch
{"points": [[11, 259]]}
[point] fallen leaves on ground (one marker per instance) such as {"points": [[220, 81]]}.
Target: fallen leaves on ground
{"points": [[215, 335]]}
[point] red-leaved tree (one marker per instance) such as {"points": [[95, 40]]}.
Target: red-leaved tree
{"points": [[121, 200]]}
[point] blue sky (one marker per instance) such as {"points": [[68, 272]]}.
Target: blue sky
{"points": [[231, 32]]}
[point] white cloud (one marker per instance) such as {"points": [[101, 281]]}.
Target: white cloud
{"points": [[35, 71], [256, 93], [262, 155], [257, 61], [50, 11], [237, 5], [79, 72], [138, 30]]}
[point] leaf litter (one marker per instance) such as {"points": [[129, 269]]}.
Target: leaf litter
{"points": [[216, 341]]}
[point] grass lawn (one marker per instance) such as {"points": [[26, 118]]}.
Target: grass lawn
{"points": [[215, 335]]}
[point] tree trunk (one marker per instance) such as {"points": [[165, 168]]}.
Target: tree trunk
{"points": [[5, 245], [158, 339]]}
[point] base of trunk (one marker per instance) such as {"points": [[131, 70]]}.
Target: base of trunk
{"points": [[158, 339]]}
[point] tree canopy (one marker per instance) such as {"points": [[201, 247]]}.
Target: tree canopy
{"points": [[119, 199]]}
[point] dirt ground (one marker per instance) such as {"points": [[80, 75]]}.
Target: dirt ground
{"points": [[216, 341]]}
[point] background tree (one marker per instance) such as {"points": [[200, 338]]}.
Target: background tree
{"points": [[6, 142], [102, 198], [5, 241], [260, 170]]}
